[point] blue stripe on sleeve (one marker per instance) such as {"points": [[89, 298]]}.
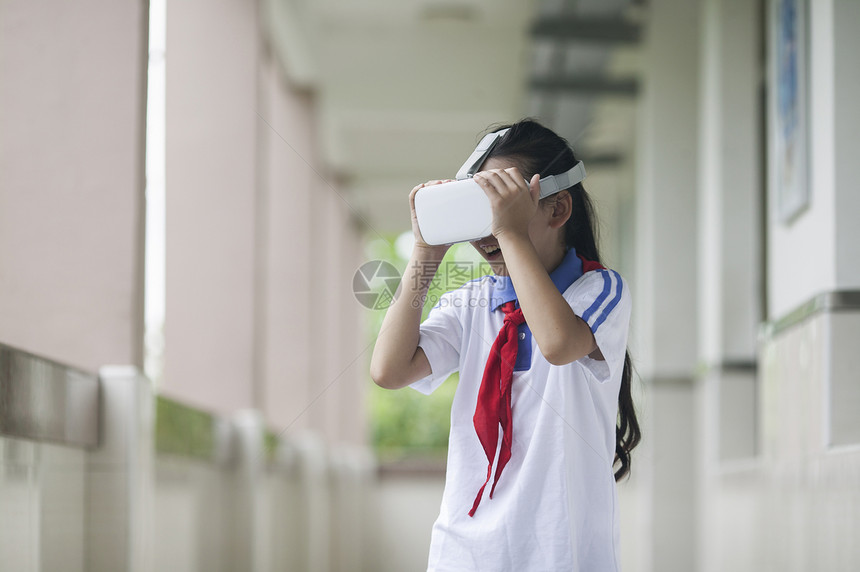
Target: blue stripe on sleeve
{"points": [[594, 307], [611, 305]]}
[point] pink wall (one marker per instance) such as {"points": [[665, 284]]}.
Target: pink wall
{"points": [[261, 245], [211, 188], [72, 109], [287, 131]]}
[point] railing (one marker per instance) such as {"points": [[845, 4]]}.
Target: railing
{"points": [[114, 478], [834, 301], [47, 401]]}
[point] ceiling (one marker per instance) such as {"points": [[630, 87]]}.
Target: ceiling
{"points": [[405, 88]]}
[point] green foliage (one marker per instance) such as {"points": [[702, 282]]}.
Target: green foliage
{"points": [[183, 430], [406, 423]]}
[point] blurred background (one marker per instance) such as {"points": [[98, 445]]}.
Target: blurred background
{"points": [[195, 197]]}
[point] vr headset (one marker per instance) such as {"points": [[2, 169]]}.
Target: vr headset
{"points": [[460, 211]]}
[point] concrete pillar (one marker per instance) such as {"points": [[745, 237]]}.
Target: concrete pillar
{"points": [[287, 530], [845, 390], [730, 181], [324, 332], [287, 127], [211, 154], [356, 343], [846, 125], [339, 348], [731, 246], [251, 548], [72, 110], [119, 495], [349, 347], [349, 485], [315, 506], [667, 157], [665, 322]]}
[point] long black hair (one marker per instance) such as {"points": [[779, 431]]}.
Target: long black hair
{"points": [[537, 149]]}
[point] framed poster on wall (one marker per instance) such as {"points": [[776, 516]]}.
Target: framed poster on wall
{"points": [[788, 154]]}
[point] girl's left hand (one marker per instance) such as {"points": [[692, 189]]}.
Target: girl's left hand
{"points": [[514, 202]]}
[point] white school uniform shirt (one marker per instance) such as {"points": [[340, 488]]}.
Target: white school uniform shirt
{"points": [[555, 507]]}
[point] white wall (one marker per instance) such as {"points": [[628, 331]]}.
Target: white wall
{"points": [[776, 448], [806, 490], [407, 506], [817, 251], [42, 492]]}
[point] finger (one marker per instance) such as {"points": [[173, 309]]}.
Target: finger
{"points": [[414, 190], [520, 179], [412, 200], [502, 176], [513, 185], [500, 184], [534, 187], [437, 182], [517, 177], [489, 188], [514, 181]]}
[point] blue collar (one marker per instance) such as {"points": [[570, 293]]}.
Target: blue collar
{"points": [[570, 269]]}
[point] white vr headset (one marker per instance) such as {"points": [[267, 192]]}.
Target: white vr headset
{"points": [[460, 211]]}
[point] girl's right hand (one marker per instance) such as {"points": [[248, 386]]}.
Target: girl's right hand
{"points": [[437, 250]]}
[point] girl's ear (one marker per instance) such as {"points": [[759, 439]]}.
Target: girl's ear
{"points": [[562, 208]]}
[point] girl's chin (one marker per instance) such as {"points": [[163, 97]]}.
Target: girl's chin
{"points": [[499, 268]]}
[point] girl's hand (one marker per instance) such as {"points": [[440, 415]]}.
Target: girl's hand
{"points": [[514, 202], [436, 251]]}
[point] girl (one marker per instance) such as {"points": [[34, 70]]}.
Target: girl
{"points": [[544, 374]]}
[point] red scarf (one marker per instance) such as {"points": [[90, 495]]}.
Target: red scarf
{"points": [[494, 396]]}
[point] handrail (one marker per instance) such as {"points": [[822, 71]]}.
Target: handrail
{"points": [[834, 301], [44, 400], [186, 431]]}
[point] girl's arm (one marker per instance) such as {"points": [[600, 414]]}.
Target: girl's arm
{"points": [[397, 360], [560, 334]]}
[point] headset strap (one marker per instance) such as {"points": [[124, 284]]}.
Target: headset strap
{"points": [[555, 183], [479, 155], [548, 185]]}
